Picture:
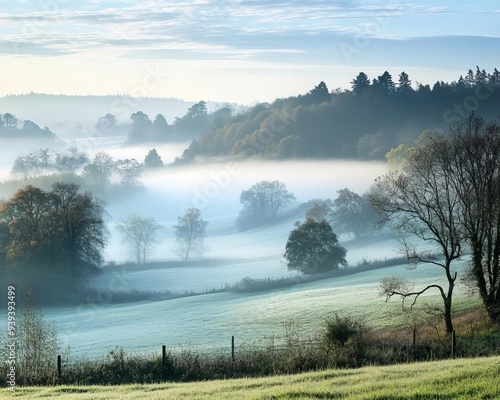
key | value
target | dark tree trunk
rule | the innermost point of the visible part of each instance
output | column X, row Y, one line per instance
column 447, row 315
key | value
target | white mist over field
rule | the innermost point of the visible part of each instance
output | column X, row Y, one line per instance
column 215, row 189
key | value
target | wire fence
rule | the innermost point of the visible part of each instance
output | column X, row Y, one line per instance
column 272, row 355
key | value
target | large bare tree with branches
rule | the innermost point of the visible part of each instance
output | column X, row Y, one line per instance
column 475, row 147
column 447, row 192
column 420, row 201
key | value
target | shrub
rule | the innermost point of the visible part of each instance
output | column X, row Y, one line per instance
column 344, row 339
column 37, row 346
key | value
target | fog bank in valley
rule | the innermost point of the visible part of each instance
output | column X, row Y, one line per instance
column 215, row 189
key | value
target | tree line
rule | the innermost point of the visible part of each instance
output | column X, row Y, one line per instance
column 364, row 122
column 11, row 128
column 142, row 129
column 100, row 173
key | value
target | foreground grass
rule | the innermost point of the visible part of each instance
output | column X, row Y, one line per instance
column 451, row 379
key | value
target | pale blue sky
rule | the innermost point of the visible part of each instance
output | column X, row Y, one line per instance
column 241, row 51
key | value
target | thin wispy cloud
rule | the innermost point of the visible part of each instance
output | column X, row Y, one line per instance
column 275, row 34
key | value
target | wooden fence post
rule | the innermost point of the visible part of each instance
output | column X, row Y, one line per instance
column 232, row 347
column 59, row 368
column 163, row 360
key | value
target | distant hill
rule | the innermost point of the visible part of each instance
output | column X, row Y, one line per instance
column 64, row 114
column 362, row 123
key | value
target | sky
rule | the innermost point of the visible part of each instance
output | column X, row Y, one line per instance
column 242, row 51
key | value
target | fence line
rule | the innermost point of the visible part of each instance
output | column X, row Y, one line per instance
column 246, row 349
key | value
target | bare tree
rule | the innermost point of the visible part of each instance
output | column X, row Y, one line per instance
column 130, row 171
column 71, row 160
column 100, row 169
column 33, row 164
column 420, row 201
column 452, row 189
column 139, row 235
column 190, row 233
column 475, row 147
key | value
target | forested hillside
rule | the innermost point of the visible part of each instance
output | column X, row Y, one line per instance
column 363, row 122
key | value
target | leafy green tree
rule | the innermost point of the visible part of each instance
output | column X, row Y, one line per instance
column 221, row 116
column 139, row 235
column 10, row 120
column 141, row 127
column 26, row 215
column 360, row 83
column 106, row 123
column 80, row 231
column 313, row 248
column 190, row 233
column 320, row 93
column 54, row 236
column 282, row 129
column 30, row 127
column 195, row 121
column 404, row 83
column 160, row 127
column 470, row 79
column 198, row 110
column 153, row 159
column 386, row 83
column 493, row 79
column 481, row 76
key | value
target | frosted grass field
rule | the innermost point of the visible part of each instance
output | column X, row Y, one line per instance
column 207, row 322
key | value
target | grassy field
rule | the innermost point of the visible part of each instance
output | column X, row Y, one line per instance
column 452, row 379
column 209, row 321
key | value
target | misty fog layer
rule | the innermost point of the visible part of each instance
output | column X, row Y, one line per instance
column 215, row 188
